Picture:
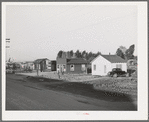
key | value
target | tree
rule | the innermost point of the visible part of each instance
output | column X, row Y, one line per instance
column 63, row 55
column 78, row 54
column 136, row 57
column 59, row 55
column 86, row 56
column 90, row 54
column 129, row 52
column 68, row 54
column 98, row 53
column 9, row 60
column 71, row 53
column 83, row 54
column 74, row 55
column 120, row 53
column 123, row 49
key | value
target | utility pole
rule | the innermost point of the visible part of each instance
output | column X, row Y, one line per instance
column 7, row 41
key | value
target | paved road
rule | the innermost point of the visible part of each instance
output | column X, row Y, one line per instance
column 26, row 95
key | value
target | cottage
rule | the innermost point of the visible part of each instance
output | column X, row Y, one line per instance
column 45, row 65
column 42, row 64
column 72, row 65
column 102, row 64
column 29, row 65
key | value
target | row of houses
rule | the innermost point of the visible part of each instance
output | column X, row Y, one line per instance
column 100, row 65
column 40, row 64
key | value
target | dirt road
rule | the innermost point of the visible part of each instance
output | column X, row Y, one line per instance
column 47, row 94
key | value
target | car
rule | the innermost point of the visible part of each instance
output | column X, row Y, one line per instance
column 116, row 72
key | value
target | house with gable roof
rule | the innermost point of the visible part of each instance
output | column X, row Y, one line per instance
column 45, row 64
column 102, row 64
column 75, row 65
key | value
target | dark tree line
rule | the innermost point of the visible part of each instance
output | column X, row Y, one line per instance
column 77, row 54
column 126, row 53
column 122, row 51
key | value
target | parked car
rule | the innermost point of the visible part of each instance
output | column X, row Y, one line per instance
column 116, row 72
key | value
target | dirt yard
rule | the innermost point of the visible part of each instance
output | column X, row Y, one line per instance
column 71, row 77
column 120, row 84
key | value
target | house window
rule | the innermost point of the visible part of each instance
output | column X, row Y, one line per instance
column 71, row 67
column 83, row 67
column 104, row 68
column 119, row 66
column 94, row 67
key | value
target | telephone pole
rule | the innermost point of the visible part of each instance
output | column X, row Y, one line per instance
column 7, row 47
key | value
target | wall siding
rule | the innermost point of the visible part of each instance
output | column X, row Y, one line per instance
column 60, row 62
column 77, row 69
column 100, row 63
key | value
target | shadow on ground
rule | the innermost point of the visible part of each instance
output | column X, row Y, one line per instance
column 78, row 88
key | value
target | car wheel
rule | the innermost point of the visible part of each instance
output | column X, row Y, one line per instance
column 115, row 75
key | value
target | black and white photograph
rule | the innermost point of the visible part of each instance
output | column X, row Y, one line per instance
column 74, row 60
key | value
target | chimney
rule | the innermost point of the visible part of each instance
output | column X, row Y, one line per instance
column 109, row 53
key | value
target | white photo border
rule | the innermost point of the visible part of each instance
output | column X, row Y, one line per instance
column 140, row 114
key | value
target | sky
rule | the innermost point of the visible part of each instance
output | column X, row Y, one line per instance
column 41, row 31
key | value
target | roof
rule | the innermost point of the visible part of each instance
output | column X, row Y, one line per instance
column 91, row 59
column 77, row 61
column 113, row 58
column 39, row 60
column 29, row 61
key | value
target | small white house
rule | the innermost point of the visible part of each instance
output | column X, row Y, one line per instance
column 102, row 64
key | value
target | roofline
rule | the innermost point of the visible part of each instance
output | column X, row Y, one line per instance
column 106, row 59
column 77, row 63
column 29, row 61
column 95, row 58
column 119, row 62
column 41, row 59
